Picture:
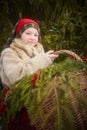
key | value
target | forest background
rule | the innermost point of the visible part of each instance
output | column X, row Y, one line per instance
column 63, row 23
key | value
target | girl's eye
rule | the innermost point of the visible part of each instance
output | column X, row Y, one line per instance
column 36, row 35
column 28, row 33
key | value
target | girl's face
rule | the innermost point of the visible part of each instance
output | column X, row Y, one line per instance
column 30, row 36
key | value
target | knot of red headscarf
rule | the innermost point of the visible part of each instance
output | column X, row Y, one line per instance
column 24, row 21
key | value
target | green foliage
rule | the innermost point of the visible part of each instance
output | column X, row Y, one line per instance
column 70, row 32
column 56, row 101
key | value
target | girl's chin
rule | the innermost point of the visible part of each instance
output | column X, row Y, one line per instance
column 32, row 44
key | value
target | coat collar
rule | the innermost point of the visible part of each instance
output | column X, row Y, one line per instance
column 31, row 51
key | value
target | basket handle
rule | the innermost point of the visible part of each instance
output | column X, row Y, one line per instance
column 69, row 53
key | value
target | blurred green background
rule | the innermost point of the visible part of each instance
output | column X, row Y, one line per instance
column 63, row 23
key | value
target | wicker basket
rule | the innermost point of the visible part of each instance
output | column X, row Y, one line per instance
column 64, row 106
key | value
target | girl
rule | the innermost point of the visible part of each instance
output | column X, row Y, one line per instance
column 24, row 54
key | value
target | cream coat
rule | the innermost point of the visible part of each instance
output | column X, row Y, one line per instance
column 21, row 59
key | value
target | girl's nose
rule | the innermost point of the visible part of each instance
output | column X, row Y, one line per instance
column 32, row 36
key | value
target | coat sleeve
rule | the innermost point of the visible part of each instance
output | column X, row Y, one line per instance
column 15, row 68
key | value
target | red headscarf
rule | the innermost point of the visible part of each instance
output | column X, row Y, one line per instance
column 24, row 21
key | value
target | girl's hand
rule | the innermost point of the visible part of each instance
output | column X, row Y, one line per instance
column 51, row 55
